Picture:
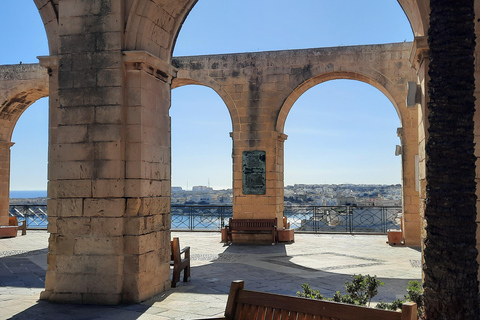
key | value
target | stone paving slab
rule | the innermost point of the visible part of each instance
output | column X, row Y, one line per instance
column 324, row 261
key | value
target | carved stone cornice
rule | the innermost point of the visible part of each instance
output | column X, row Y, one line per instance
column 49, row 62
column 400, row 133
column 281, row 137
column 6, row 144
column 144, row 61
column 420, row 51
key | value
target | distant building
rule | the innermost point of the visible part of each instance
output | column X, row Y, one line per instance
column 201, row 188
column 346, row 201
column 177, row 189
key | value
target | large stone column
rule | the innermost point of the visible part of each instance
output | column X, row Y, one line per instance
column 148, row 174
column 109, row 162
column 4, row 181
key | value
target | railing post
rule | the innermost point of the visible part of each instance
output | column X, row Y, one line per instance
column 384, row 218
column 190, row 218
column 350, row 220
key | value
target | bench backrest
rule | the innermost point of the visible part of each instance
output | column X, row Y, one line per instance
column 252, row 305
column 175, row 250
column 13, row 221
column 252, row 224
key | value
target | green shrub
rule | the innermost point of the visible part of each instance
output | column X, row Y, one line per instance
column 308, row 292
column 414, row 294
column 359, row 292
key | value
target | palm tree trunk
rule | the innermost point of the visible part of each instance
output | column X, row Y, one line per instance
column 450, row 269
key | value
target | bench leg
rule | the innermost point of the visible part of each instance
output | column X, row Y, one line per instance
column 186, row 273
column 24, row 227
column 175, row 276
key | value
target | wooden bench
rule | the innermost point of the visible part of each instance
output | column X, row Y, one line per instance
column 178, row 262
column 251, row 226
column 13, row 221
column 12, row 229
column 253, row 305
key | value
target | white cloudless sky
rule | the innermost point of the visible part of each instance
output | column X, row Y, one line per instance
column 339, row 131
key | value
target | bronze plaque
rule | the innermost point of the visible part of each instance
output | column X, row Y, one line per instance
column 254, row 175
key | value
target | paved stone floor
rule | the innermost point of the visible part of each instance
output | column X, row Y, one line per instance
column 324, row 261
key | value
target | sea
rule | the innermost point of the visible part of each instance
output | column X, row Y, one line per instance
column 28, row 194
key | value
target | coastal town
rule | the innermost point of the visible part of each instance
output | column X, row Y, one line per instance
column 302, row 194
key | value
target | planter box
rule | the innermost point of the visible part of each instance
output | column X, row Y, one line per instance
column 286, row 235
column 395, row 237
column 8, row 231
column 224, row 235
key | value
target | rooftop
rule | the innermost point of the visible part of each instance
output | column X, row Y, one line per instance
column 325, row 261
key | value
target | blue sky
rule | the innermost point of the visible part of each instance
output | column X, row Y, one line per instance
column 339, row 131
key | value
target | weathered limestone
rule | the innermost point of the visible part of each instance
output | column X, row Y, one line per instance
column 108, row 162
column 20, row 86
column 259, row 90
column 4, row 181
column 109, row 190
column 419, row 59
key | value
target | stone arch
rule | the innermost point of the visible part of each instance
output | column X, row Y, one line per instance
column 183, row 80
column 153, row 26
column 408, row 133
column 387, row 88
column 418, row 13
column 49, row 13
column 15, row 105
column 21, row 86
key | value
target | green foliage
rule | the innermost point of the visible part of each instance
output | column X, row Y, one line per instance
column 415, row 293
column 359, row 292
column 397, row 304
column 308, row 292
column 362, row 289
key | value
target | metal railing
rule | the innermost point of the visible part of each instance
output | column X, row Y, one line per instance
column 200, row 217
column 315, row 219
column 347, row 219
column 34, row 215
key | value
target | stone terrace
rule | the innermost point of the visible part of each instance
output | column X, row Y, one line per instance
column 324, row 261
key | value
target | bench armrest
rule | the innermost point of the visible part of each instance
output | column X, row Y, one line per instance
column 186, row 250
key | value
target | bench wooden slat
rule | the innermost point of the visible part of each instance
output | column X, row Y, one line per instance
column 325, row 308
column 261, row 313
column 276, row 315
column 269, row 314
column 245, row 312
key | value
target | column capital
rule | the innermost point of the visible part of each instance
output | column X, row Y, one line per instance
column 420, row 51
column 145, row 61
column 49, row 62
column 281, row 136
column 6, row 144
